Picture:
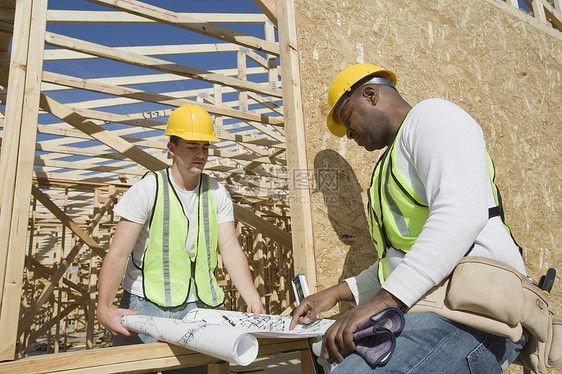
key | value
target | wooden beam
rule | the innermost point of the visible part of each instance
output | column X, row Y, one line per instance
column 267, row 229
column 94, row 16
column 134, row 358
column 145, row 96
column 100, row 153
column 84, row 237
column 189, row 23
column 34, row 335
column 90, row 166
column 47, row 272
column 297, row 162
column 554, row 14
column 151, row 50
column 104, row 16
column 154, row 63
column 269, row 8
column 106, row 137
column 16, row 161
column 131, row 80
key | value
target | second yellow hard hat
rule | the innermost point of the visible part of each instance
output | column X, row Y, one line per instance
column 343, row 82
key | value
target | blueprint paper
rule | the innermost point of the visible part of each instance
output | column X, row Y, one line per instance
column 230, row 336
column 266, row 326
column 229, row 344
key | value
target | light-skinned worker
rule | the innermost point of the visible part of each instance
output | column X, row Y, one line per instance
column 432, row 201
column 164, row 251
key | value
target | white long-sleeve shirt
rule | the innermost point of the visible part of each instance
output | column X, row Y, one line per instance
column 441, row 153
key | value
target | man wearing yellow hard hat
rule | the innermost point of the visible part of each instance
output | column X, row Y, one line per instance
column 164, row 251
column 432, row 202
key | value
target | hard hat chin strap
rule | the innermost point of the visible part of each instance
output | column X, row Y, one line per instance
column 346, row 96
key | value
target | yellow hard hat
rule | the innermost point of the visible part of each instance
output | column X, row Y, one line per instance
column 343, row 83
column 191, row 122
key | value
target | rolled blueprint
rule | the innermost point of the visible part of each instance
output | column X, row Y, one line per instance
column 228, row 343
column 228, row 335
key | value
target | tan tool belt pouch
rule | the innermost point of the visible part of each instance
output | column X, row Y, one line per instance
column 495, row 298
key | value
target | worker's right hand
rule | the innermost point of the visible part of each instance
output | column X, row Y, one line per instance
column 311, row 306
column 111, row 319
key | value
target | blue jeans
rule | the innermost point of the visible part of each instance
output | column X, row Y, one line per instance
column 145, row 307
column 432, row 344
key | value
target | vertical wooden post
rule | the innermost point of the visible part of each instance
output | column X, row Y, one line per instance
column 92, row 279
column 258, row 260
column 538, row 10
column 243, row 95
column 271, row 59
column 217, row 93
column 16, row 160
column 92, row 293
column 301, row 213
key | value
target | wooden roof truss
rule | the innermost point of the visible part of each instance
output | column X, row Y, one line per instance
column 82, row 118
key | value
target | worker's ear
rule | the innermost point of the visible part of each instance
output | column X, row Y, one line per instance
column 171, row 148
column 372, row 94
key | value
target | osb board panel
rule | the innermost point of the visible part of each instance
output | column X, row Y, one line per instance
column 501, row 70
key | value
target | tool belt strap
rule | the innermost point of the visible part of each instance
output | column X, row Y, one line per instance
column 495, row 298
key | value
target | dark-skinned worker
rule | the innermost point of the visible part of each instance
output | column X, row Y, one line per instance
column 432, row 201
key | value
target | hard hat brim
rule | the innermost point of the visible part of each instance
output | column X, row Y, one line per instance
column 195, row 137
column 334, row 125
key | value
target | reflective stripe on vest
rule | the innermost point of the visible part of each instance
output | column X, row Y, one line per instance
column 167, row 267
column 397, row 214
column 208, row 290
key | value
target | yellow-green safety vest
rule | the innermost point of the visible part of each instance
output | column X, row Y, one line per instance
column 167, row 268
column 397, row 214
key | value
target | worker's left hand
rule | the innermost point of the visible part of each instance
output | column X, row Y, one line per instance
column 338, row 339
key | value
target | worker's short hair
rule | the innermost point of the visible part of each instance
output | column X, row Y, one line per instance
column 174, row 139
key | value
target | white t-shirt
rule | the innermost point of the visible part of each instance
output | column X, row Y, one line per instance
column 136, row 205
column 441, row 153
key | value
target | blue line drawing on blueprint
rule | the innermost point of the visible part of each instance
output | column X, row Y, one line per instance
column 266, row 325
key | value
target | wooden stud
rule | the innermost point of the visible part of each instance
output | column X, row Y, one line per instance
column 301, row 211
column 242, row 96
column 16, row 162
column 538, row 10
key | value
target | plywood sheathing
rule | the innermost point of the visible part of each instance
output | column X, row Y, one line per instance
column 498, row 67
